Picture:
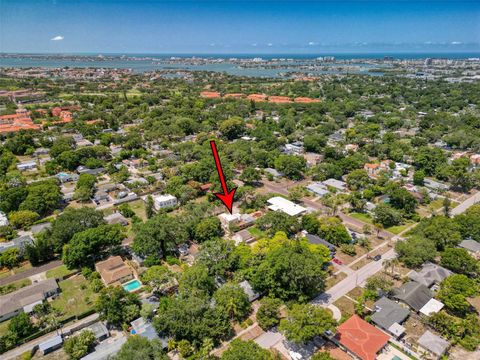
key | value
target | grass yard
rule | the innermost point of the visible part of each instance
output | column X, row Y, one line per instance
column 75, row 297
column 4, row 327
column 346, row 306
column 398, row 229
column 15, row 286
column 334, row 279
column 138, row 206
column 256, row 232
column 362, row 217
column 59, row 272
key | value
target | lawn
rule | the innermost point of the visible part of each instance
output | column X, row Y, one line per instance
column 256, row 232
column 138, row 206
column 75, row 298
column 362, row 217
column 59, row 272
column 398, row 229
column 334, row 279
column 4, row 327
column 16, row 285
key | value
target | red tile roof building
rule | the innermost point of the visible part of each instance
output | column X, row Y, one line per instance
column 257, row 97
column 360, row 338
column 15, row 122
column 56, row 111
column 279, row 99
column 210, row 94
column 306, row 100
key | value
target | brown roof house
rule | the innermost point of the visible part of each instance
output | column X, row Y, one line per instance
column 114, row 270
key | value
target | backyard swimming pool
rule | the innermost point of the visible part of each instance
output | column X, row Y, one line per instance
column 132, row 285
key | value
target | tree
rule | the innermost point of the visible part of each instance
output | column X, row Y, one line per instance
column 90, row 245
column 469, row 223
column 306, row 321
column 357, row 201
column 250, row 175
column 402, row 200
column 429, row 159
column 414, row 251
column 23, row 219
column 246, row 350
column 295, row 193
column 196, row 279
column 322, row 356
column 42, row 249
column 460, row 261
column 231, row 299
column 454, row 291
column 332, row 230
column 159, row 236
column 73, row 221
column 275, row 221
column 85, row 187
column 43, row 197
column 158, row 277
column 20, row 326
column 208, row 229
column 291, row 165
column 386, row 215
column 149, row 207
column 192, row 318
column 310, row 223
column 314, row 142
column 358, row 179
column 10, row 258
column 287, row 269
column 118, row 306
column 217, row 256
column 139, row 347
column 444, row 232
column 268, row 314
column 232, row 128
column 418, row 177
column 459, row 175
column 78, row 346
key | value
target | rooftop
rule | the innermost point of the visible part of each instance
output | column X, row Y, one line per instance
column 388, row 312
column 414, row 294
column 361, row 338
column 113, row 269
column 433, row 343
column 430, row 274
column 470, row 245
column 279, row 203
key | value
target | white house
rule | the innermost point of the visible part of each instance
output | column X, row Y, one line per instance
column 164, row 201
column 27, row 165
column 3, row 219
column 278, row 203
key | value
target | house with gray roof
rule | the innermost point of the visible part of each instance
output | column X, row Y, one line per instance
column 51, row 344
column 247, row 288
column 433, row 344
column 430, row 274
column 472, row 246
column 18, row 243
column 317, row 240
column 24, row 299
column 413, row 294
column 389, row 315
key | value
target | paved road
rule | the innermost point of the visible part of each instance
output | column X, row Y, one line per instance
column 472, row 200
column 16, row 352
column 30, row 272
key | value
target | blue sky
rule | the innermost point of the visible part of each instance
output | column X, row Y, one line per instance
column 139, row 26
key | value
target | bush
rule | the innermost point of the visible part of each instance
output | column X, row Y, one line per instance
column 268, row 315
column 348, row 249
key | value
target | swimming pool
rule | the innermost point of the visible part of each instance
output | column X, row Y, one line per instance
column 132, row 285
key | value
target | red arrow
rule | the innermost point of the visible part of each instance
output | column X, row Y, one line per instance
column 227, row 196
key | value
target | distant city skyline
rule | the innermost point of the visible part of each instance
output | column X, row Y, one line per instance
column 223, row 27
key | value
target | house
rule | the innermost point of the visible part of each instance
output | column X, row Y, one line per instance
column 433, row 345
column 24, row 299
column 239, row 220
column 116, row 218
column 85, row 170
column 106, row 349
column 472, row 246
column 65, row 177
column 295, row 148
column 336, row 184
column 144, row 328
column 164, row 201
column 317, row 188
column 114, row 270
column 312, row 159
column 278, row 203
column 99, row 330
column 413, row 294
column 371, row 169
column 435, row 185
column 3, row 219
column 247, row 288
column 389, row 316
column 360, row 339
column 18, row 243
column 51, row 344
column 274, row 173
column 433, row 306
column 27, row 165
column 430, row 274
column 243, row 236
column 41, row 151
column 317, row 240
column 37, row 228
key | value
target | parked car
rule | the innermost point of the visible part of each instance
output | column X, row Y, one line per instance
column 337, row 261
column 377, row 257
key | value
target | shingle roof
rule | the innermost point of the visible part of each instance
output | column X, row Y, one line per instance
column 361, row 338
column 113, row 269
column 25, row 296
column 470, row 245
column 388, row 313
column 414, row 294
column 430, row 274
column 433, row 343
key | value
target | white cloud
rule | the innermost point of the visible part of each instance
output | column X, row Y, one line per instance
column 269, row 44
column 311, row 43
column 456, row 42
column 57, row 38
column 254, row 44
